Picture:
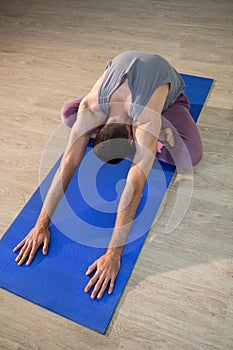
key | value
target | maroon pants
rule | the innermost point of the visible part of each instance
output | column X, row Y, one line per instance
column 187, row 151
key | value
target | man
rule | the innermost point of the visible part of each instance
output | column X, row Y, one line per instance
column 125, row 106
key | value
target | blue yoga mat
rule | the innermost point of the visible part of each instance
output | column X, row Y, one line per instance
column 80, row 230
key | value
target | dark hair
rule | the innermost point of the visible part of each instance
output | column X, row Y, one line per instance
column 111, row 143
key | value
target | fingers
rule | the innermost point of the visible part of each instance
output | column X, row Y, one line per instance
column 101, row 283
column 19, row 245
column 107, row 268
column 46, row 245
column 32, row 255
column 103, row 288
column 91, row 283
column 92, row 268
column 100, row 287
column 29, row 248
column 23, row 254
column 111, row 287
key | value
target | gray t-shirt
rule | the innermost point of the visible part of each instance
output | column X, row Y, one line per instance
column 145, row 73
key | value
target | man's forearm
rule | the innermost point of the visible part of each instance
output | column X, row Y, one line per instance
column 79, row 138
column 59, row 185
column 62, row 178
column 127, row 209
column 131, row 196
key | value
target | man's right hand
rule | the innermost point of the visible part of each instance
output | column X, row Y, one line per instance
column 31, row 243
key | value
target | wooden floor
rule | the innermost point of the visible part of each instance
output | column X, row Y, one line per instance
column 180, row 295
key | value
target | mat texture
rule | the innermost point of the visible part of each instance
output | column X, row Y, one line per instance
column 81, row 227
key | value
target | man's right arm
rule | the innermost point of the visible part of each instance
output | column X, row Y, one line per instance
column 79, row 138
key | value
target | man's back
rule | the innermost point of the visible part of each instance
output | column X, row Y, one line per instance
column 145, row 72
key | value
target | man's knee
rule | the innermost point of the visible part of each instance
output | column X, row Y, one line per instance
column 69, row 111
column 68, row 115
column 65, row 113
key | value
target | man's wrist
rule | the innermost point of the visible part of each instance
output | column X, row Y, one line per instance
column 43, row 221
column 117, row 251
column 42, row 225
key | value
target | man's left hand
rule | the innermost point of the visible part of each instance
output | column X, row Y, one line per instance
column 107, row 267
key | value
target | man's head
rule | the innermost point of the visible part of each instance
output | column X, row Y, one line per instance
column 112, row 143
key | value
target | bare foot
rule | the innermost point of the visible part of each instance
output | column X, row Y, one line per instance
column 183, row 177
column 167, row 135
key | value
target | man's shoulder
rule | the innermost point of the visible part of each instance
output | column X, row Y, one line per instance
column 90, row 110
column 90, row 100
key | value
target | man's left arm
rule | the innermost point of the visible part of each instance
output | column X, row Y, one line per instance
column 107, row 266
